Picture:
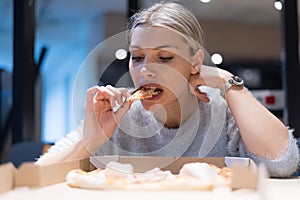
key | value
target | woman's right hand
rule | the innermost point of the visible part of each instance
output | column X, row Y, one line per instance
column 100, row 120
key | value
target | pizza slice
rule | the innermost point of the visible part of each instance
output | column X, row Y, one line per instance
column 207, row 173
column 144, row 92
column 114, row 176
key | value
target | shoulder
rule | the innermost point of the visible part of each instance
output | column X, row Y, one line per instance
column 217, row 105
column 220, row 114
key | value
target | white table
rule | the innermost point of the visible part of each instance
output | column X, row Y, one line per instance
column 270, row 189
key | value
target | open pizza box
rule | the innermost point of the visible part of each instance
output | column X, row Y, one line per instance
column 7, row 171
column 245, row 173
column 31, row 175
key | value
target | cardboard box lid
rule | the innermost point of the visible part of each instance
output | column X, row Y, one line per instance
column 7, row 171
column 245, row 171
column 173, row 164
column 32, row 175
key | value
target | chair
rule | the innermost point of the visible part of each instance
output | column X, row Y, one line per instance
column 25, row 151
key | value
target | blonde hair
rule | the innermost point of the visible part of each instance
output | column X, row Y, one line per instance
column 173, row 16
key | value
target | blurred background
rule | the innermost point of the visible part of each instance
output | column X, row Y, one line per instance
column 45, row 43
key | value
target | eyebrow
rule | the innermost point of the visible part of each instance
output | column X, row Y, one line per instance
column 155, row 48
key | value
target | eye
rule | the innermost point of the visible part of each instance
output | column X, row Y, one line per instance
column 137, row 58
column 165, row 58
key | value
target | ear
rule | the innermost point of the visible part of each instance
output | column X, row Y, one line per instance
column 197, row 61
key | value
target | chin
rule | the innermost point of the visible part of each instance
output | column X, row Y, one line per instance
column 155, row 108
column 147, row 106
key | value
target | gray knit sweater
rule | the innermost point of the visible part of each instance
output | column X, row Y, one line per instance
column 209, row 131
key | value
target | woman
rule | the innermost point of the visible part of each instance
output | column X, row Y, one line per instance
column 187, row 116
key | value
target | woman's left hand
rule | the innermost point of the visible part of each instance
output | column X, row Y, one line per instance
column 208, row 76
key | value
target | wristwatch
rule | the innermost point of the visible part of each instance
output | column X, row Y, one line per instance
column 233, row 81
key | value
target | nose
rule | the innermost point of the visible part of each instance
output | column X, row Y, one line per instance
column 147, row 69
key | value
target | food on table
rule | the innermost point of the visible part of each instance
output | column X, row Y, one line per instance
column 192, row 176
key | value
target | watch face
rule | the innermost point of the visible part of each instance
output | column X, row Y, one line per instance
column 236, row 80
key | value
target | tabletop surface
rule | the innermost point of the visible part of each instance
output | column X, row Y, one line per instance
column 269, row 189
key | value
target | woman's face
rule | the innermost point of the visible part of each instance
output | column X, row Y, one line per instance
column 160, row 58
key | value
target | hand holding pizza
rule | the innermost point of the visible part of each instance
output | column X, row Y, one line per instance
column 100, row 119
column 213, row 77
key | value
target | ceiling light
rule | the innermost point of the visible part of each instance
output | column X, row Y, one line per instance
column 216, row 58
column 278, row 5
column 121, row 54
column 205, row 1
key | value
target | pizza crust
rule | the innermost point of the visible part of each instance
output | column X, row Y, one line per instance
column 88, row 180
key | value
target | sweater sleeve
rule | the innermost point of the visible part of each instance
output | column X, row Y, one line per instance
column 63, row 144
column 283, row 166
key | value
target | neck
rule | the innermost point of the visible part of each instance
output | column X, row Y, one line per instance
column 178, row 112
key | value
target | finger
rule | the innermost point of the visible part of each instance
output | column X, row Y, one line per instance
column 94, row 104
column 196, row 80
column 98, row 92
column 100, row 96
column 90, row 93
column 117, row 94
column 202, row 96
column 110, row 93
column 125, row 92
column 122, row 111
